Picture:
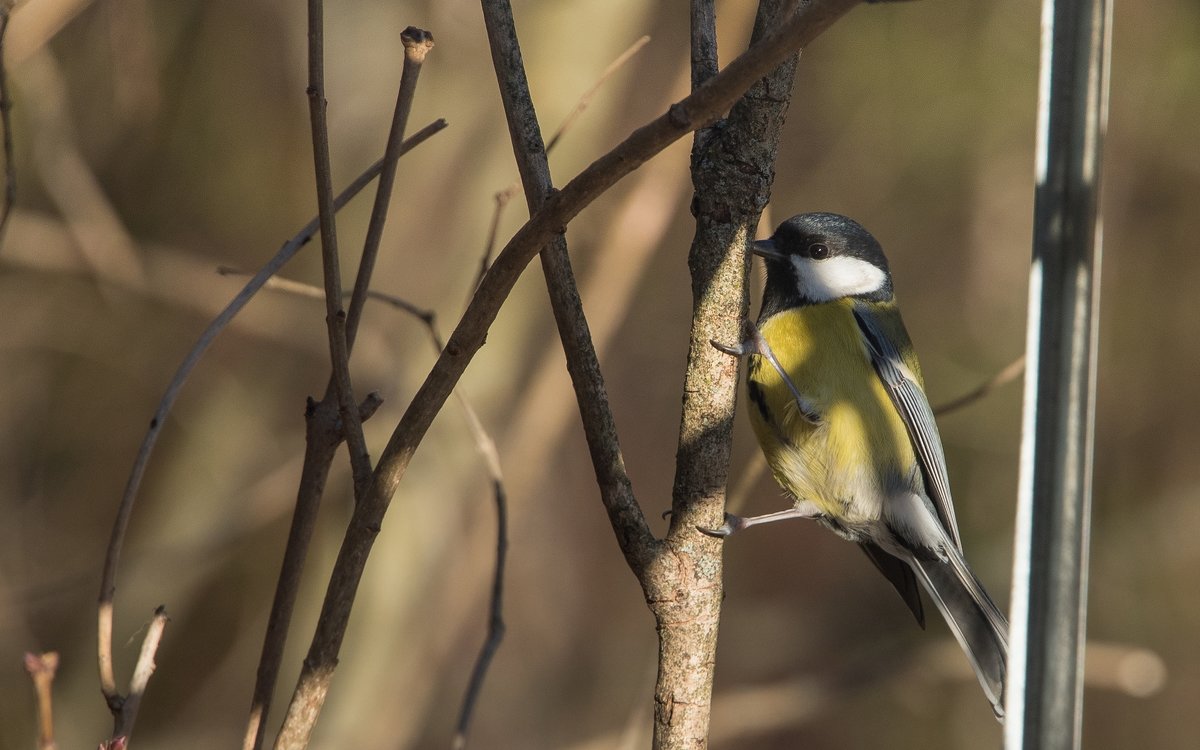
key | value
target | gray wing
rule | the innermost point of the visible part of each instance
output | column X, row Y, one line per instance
column 909, row 398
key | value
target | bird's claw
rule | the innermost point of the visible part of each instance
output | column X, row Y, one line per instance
column 750, row 343
column 733, row 350
column 732, row 523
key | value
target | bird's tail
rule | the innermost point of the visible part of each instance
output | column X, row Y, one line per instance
column 974, row 618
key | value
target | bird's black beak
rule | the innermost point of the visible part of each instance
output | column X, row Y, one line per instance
column 766, row 249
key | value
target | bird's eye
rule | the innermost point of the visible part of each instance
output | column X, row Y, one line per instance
column 818, row 250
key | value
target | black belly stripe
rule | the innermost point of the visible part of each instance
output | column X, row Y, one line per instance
column 759, row 399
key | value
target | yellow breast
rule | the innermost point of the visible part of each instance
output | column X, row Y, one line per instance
column 860, row 449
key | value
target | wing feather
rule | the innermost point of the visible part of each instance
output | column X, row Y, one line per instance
column 904, row 387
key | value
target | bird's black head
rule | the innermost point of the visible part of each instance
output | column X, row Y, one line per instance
column 821, row 257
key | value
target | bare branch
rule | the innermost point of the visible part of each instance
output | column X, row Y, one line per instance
column 486, row 447
column 504, row 196
column 302, row 289
column 124, row 708
column 495, row 630
column 10, row 169
column 323, row 434
column 588, row 95
column 582, row 362
column 322, row 438
column 142, row 671
column 171, row 394
column 696, row 110
column 732, row 170
column 417, row 44
column 1007, row 374
column 335, row 314
column 616, row 491
column 116, row 542
column 703, row 19
column 42, row 668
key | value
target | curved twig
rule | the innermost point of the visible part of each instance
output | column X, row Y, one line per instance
column 1007, row 374
column 588, row 95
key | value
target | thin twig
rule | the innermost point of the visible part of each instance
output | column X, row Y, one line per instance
column 335, row 314
column 504, row 196
column 322, row 438
column 495, row 629
column 486, row 447
column 417, row 44
column 171, row 394
column 10, row 169
column 323, row 432
column 704, row 105
column 599, row 426
column 1009, row 373
column 142, row 671
column 311, row 291
column 587, row 96
column 42, row 668
column 616, row 490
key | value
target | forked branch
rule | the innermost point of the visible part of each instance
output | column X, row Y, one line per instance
column 704, row 105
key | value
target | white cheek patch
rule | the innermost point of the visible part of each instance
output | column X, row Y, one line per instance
column 837, row 277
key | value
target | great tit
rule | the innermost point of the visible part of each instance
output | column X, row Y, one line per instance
column 838, row 405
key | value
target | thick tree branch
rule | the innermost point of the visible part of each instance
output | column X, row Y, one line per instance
column 732, row 170
column 700, row 108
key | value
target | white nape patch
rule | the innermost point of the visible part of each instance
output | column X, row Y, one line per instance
column 837, row 277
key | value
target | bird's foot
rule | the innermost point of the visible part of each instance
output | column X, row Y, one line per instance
column 732, row 523
column 751, row 342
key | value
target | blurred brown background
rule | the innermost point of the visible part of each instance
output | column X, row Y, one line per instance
column 158, row 140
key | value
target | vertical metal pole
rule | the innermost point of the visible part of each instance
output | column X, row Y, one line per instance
column 1045, row 689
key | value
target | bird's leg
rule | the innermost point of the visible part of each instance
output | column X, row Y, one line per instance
column 753, row 343
column 802, row 509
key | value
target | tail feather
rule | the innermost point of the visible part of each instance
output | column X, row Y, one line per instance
column 975, row 620
column 900, row 575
